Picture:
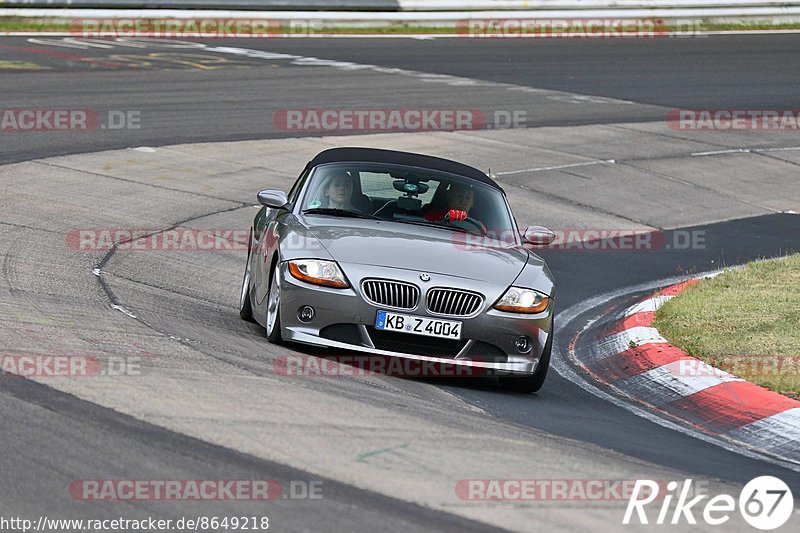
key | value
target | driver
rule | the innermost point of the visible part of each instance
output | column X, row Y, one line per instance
column 460, row 199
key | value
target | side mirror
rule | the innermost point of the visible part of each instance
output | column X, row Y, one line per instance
column 273, row 199
column 538, row 236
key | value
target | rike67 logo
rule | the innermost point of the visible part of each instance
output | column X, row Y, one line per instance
column 765, row 503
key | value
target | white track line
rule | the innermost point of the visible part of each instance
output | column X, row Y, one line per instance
column 650, row 305
column 557, row 167
column 629, row 338
column 779, row 430
column 665, row 384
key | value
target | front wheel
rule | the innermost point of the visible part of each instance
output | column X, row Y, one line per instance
column 274, row 308
column 531, row 382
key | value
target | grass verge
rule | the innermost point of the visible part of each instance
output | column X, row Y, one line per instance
column 745, row 321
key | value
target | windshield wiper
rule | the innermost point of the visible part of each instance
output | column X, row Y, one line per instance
column 338, row 213
column 433, row 225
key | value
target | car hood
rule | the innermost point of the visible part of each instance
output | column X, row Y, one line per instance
column 414, row 247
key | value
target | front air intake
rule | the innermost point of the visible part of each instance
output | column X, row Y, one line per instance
column 394, row 294
column 453, row 302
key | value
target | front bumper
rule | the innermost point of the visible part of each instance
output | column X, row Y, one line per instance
column 344, row 320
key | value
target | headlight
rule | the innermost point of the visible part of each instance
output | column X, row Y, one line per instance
column 318, row 272
column 519, row 300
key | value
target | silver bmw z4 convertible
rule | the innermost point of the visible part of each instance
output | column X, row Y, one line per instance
column 402, row 255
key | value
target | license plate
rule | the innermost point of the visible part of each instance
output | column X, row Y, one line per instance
column 418, row 325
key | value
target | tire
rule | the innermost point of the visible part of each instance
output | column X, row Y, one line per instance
column 245, row 306
column 274, row 308
column 531, row 382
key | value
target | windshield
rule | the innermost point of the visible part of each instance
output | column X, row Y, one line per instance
column 408, row 195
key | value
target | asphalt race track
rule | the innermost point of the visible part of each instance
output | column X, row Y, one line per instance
column 594, row 152
column 236, row 101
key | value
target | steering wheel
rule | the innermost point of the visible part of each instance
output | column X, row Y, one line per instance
column 477, row 223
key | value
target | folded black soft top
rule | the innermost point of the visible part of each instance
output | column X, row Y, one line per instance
column 375, row 155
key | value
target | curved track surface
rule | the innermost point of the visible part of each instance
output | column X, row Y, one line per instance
column 188, row 94
column 208, row 402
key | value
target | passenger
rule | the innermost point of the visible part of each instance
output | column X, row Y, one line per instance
column 339, row 192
